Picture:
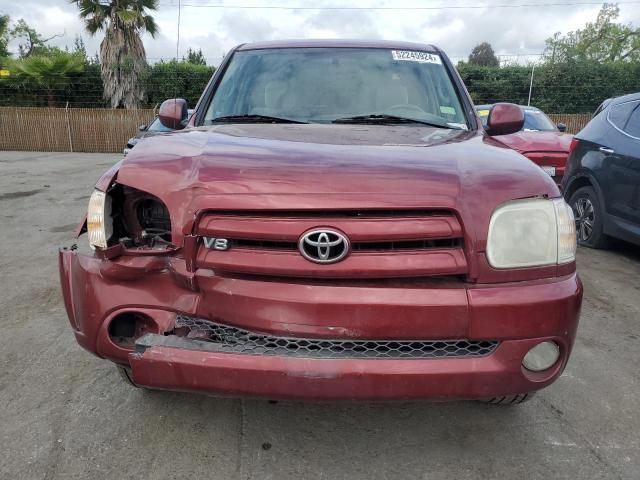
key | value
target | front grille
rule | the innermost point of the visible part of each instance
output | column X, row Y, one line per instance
column 224, row 338
column 409, row 243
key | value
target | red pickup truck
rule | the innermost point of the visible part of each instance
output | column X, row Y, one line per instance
column 332, row 222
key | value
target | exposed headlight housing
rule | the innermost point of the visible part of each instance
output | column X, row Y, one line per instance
column 531, row 232
column 99, row 221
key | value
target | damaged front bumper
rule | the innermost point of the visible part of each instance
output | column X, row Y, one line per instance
column 160, row 289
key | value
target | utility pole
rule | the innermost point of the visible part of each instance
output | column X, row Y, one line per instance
column 533, row 67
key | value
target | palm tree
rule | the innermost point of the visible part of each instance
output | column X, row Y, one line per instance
column 122, row 54
column 4, row 36
column 50, row 73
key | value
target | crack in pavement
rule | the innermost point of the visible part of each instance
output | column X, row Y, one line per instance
column 592, row 449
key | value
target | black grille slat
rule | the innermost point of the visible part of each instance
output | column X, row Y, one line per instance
column 355, row 246
column 263, row 244
column 406, row 245
column 230, row 339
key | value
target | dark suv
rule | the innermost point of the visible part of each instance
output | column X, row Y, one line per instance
column 602, row 180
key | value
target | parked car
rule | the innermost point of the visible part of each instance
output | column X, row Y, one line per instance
column 540, row 140
column 155, row 127
column 333, row 223
column 602, row 182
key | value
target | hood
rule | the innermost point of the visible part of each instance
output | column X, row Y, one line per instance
column 299, row 159
column 525, row 141
column 310, row 166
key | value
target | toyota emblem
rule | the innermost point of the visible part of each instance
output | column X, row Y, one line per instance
column 323, row 246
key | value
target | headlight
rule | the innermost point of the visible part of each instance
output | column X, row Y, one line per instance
column 532, row 232
column 99, row 221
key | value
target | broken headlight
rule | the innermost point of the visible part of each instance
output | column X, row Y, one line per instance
column 128, row 216
column 99, row 220
column 153, row 218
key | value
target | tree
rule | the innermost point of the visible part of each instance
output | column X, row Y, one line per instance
column 49, row 73
column 4, row 36
column 122, row 54
column 196, row 58
column 483, row 54
column 599, row 41
column 32, row 42
column 79, row 47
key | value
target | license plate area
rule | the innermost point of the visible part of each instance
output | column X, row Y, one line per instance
column 551, row 171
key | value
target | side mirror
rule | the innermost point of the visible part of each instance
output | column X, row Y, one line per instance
column 174, row 113
column 562, row 127
column 505, row 118
column 142, row 127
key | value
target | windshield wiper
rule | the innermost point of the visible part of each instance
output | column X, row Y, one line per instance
column 380, row 118
column 253, row 119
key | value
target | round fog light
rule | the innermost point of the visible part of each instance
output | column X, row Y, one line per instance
column 542, row 356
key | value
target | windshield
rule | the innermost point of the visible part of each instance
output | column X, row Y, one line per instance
column 326, row 84
column 536, row 120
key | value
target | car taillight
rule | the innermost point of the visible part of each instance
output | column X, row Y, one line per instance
column 574, row 144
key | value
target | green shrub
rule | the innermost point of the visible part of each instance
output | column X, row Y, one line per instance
column 572, row 87
column 162, row 80
column 176, row 79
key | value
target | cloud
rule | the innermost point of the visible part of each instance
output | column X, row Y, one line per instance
column 511, row 31
column 343, row 24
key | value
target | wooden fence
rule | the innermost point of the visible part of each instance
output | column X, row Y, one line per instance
column 574, row 121
column 69, row 130
column 105, row 130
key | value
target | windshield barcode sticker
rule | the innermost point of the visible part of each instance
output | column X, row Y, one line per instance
column 411, row 56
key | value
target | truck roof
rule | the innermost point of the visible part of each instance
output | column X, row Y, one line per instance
column 333, row 43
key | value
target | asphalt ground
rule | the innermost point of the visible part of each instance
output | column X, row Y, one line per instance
column 65, row 414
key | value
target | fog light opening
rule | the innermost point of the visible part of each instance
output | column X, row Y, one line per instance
column 126, row 328
column 541, row 357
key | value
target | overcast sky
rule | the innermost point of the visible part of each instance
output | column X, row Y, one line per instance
column 511, row 31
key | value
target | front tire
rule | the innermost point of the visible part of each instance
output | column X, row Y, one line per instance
column 589, row 216
column 507, row 400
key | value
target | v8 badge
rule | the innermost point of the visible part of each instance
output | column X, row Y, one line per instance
column 216, row 243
